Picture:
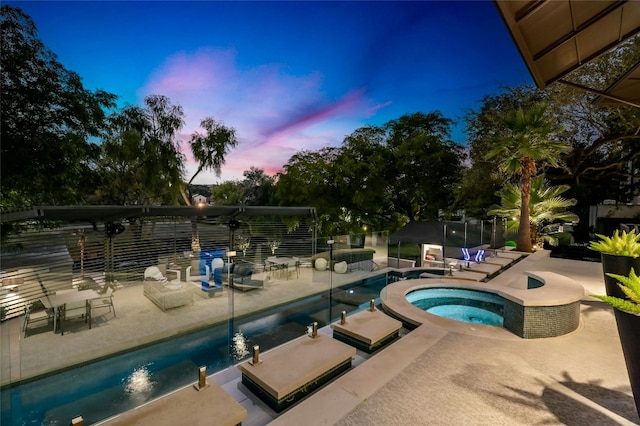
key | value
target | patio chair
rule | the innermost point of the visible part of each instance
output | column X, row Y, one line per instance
column 35, row 312
column 72, row 310
column 292, row 267
column 106, row 301
column 217, row 266
column 197, row 272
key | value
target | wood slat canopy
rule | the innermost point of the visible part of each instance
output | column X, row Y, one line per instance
column 557, row 37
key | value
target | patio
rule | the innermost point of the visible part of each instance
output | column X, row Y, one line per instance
column 432, row 375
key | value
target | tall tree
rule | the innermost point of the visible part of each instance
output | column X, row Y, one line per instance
column 605, row 138
column 605, row 155
column 483, row 177
column 209, row 149
column 141, row 160
column 258, row 188
column 381, row 176
column 309, row 179
column 524, row 143
column 227, row 193
column 47, row 119
column 425, row 164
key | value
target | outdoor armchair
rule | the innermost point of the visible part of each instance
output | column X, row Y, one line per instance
column 35, row 312
column 197, row 272
column 106, row 301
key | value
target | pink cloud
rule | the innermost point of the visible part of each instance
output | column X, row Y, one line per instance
column 275, row 114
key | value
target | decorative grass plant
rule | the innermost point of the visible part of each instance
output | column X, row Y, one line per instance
column 619, row 244
column 631, row 288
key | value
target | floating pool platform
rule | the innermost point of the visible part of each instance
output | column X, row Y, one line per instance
column 188, row 406
column 285, row 375
column 367, row 330
column 500, row 261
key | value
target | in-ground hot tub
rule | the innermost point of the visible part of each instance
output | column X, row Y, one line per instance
column 543, row 304
column 471, row 306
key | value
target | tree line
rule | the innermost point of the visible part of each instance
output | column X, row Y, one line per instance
column 63, row 144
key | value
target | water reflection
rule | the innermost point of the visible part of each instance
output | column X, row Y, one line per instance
column 240, row 348
column 139, row 384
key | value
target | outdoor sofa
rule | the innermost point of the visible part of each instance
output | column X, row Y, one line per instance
column 240, row 274
column 166, row 294
column 351, row 256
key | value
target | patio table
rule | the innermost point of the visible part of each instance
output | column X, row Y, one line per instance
column 58, row 301
column 280, row 263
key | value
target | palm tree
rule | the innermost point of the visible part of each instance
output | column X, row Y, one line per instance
column 522, row 145
column 545, row 205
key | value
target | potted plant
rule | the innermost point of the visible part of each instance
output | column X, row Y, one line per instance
column 273, row 245
column 627, row 312
column 619, row 253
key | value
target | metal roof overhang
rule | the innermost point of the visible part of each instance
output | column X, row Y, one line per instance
column 557, row 37
column 112, row 213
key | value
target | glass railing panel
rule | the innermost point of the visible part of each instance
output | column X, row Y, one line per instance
column 162, row 348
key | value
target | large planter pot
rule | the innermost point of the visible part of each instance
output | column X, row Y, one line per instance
column 629, row 331
column 628, row 324
column 620, row 265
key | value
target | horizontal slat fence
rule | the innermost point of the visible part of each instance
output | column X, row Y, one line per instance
column 81, row 255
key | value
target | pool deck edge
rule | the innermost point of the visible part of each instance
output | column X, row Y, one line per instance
column 348, row 391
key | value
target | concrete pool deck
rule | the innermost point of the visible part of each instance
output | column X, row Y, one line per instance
column 432, row 375
column 437, row 376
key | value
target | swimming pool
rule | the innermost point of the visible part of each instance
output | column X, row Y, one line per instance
column 105, row 388
column 471, row 306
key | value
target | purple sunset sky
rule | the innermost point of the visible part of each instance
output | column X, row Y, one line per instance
column 287, row 76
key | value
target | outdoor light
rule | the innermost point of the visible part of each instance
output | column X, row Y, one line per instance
column 343, row 317
column 255, row 360
column 330, row 242
column 234, row 225
column 230, row 255
column 113, row 228
column 202, row 379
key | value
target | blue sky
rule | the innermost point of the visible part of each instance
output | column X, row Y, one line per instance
column 287, row 76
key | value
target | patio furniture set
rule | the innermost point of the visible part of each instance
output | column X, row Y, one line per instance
column 65, row 305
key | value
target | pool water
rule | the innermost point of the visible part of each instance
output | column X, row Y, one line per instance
column 105, row 388
column 470, row 306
